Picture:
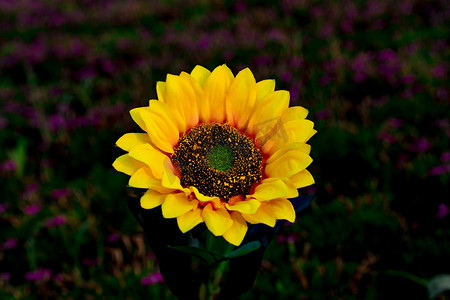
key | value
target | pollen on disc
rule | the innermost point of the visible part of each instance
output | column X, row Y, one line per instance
column 218, row 160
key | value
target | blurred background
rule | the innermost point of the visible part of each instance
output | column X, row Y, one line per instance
column 374, row 75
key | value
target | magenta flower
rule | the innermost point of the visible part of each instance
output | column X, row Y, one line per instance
column 55, row 221
column 32, row 209
column 152, row 279
column 395, row 122
column 420, row 145
column 445, row 157
column 10, row 243
column 443, row 211
column 439, row 71
column 90, row 262
column 38, row 275
column 8, row 165
column 323, row 114
column 60, row 193
column 5, row 276
column 440, row 170
column 3, row 207
column 113, row 237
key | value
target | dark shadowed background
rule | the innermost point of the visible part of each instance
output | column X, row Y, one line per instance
column 373, row 74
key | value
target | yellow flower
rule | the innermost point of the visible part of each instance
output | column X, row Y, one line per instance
column 219, row 149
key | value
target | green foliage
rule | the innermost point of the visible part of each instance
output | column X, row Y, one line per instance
column 373, row 74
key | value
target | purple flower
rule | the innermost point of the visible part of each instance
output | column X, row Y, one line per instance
column 57, row 122
column 113, row 237
column 108, row 66
column 32, row 209
column 289, row 238
column 408, row 79
column 204, row 42
column 286, row 76
column 38, row 275
column 420, row 145
column 8, row 165
column 86, row 73
column 395, row 123
column 442, row 93
column 439, row 71
column 3, row 122
column 152, row 278
column 262, row 60
column 443, row 211
column 325, row 80
column 360, row 65
column 60, row 193
column 3, row 207
column 387, row 55
column 323, row 114
column 439, row 170
column 386, row 137
column 347, row 26
column 58, row 277
column 55, row 221
column 407, row 94
column 10, row 243
column 445, row 157
column 5, row 276
column 90, row 262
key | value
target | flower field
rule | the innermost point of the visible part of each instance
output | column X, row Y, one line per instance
column 373, row 74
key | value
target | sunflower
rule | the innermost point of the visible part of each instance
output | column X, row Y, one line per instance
column 219, row 149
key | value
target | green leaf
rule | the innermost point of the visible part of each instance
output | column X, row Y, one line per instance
column 19, row 156
column 438, row 285
column 243, row 250
column 207, row 257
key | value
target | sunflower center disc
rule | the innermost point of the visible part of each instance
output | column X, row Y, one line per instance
column 218, row 161
column 221, row 158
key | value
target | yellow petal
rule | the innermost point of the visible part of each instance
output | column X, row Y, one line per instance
column 283, row 209
column 263, row 215
column 126, row 164
column 152, row 199
column 200, row 74
column 161, row 90
column 130, row 140
column 204, row 200
column 176, row 205
column 136, row 116
column 286, row 132
column 201, row 105
column 218, row 221
column 268, row 111
column 215, row 90
column 182, row 100
column 313, row 132
column 151, row 157
column 302, row 179
column 292, row 189
column 170, row 180
column 270, row 189
column 294, row 113
column 249, row 206
column 189, row 220
column 162, row 131
column 288, row 163
column 144, row 179
column 241, row 98
column 236, row 233
column 298, row 146
column 264, row 87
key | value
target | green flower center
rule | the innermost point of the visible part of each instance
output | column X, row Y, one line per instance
column 218, row 160
column 221, row 158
